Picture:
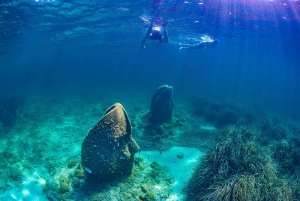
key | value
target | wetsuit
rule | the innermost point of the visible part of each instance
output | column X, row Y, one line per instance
column 156, row 35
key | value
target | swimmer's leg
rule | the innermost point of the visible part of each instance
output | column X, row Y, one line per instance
column 147, row 36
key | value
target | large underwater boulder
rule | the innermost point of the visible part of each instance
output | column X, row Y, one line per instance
column 108, row 149
column 161, row 105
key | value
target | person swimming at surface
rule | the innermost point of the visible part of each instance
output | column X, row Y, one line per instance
column 156, row 31
column 201, row 45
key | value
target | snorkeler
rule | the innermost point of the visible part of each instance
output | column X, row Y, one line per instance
column 201, row 45
column 156, row 31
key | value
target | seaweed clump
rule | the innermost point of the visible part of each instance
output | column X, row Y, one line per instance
column 272, row 131
column 236, row 168
column 287, row 156
column 221, row 114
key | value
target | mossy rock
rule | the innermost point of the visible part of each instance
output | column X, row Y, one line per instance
column 147, row 189
column 49, row 187
column 144, row 188
column 75, row 182
column 16, row 172
column 180, row 122
column 155, row 165
column 158, row 172
column 150, row 197
column 138, row 161
column 72, row 162
column 64, row 184
column 79, row 172
column 98, row 197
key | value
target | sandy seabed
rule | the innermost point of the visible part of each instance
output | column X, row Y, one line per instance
column 40, row 154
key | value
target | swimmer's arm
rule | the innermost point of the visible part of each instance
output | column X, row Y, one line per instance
column 200, row 45
column 184, row 45
column 188, row 46
column 143, row 42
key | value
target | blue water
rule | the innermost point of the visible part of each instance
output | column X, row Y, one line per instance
column 90, row 50
column 51, row 46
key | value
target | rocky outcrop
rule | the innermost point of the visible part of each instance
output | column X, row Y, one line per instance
column 161, row 105
column 108, row 149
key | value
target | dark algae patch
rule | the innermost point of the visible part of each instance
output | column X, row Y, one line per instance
column 237, row 168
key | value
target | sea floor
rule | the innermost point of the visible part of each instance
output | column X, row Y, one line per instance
column 40, row 153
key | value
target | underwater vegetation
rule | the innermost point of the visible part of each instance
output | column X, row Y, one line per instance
column 161, row 137
column 11, row 168
column 257, row 162
column 222, row 114
column 287, row 156
column 237, row 168
column 272, row 130
column 8, row 111
column 151, row 182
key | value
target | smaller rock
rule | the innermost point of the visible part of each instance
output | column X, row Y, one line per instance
column 64, row 184
column 75, row 183
column 180, row 155
column 144, row 188
column 79, row 172
column 72, row 162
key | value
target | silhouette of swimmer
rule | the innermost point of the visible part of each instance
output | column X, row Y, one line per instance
column 200, row 45
column 156, row 31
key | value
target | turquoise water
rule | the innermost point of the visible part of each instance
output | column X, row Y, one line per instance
column 63, row 63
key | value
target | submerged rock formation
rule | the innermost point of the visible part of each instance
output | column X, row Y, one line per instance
column 161, row 105
column 108, row 149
